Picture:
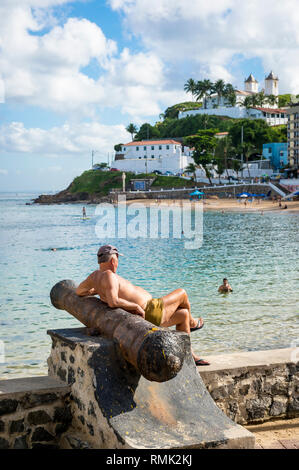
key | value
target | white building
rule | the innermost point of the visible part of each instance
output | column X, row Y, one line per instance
column 220, row 106
column 150, row 155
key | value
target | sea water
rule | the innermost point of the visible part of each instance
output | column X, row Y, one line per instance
column 258, row 254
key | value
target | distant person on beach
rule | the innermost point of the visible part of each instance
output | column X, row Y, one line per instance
column 170, row 310
column 225, row 287
column 84, row 212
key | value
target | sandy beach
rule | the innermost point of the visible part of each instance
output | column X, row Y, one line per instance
column 228, row 205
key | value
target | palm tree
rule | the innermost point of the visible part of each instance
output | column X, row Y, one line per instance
column 247, row 148
column 220, row 89
column 248, row 102
column 236, row 166
column 190, row 87
column 132, row 129
column 204, row 88
column 260, row 98
column 191, row 168
column 271, row 100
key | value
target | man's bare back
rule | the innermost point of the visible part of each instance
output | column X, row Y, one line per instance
column 106, row 283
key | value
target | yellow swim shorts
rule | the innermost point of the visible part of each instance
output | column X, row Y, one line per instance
column 154, row 311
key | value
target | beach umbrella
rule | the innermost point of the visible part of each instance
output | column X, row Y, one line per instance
column 196, row 193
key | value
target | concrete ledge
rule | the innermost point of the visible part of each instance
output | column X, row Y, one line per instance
column 251, row 359
column 40, row 384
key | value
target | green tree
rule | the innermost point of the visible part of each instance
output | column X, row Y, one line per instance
column 260, row 98
column 190, row 87
column 255, row 131
column 191, row 168
column 117, row 147
column 132, row 129
column 236, row 166
column 219, row 88
column 147, row 131
column 204, row 88
column 204, row 144
column 248, row 149
column 271, row 100
column 224, row 152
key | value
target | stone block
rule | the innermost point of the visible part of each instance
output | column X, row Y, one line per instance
column 38, row 417
column 16, row 426
column 63, row 414
column 41, row 434
column 4, row 444
column 8, row 406
column 278, row 407
column 21, row 443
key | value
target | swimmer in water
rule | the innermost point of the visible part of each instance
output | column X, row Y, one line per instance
column 84, row 212
column 225, row 287
column 53, row 249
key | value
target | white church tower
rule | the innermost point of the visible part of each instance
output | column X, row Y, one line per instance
column 251, row 84
column 271, row 85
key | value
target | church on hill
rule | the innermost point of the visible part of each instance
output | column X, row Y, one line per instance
column 220, row 105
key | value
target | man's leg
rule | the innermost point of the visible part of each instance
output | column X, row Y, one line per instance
column 176, row 300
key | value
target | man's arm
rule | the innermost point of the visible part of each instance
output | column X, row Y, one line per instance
column 114, row 301
column 86, row 287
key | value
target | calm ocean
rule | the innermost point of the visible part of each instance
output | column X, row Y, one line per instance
column 259, row 255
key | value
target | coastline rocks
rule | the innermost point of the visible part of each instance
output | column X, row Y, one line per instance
column 67, row 197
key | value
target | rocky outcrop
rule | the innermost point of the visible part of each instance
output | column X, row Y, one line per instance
column 66, row 196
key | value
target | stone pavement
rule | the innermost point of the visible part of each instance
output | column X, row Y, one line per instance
column 280, row 434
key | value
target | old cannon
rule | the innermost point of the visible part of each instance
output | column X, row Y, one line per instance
column 157, row 353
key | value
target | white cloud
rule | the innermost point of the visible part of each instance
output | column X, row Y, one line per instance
column 48, row 69
column 210, row 34
column 3, row 172
column 67, row 140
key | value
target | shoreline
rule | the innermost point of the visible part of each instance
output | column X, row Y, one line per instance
column 226, row 205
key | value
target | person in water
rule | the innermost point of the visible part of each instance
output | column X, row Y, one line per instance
column 170, row 310
column 225, row 287
column 84, row 212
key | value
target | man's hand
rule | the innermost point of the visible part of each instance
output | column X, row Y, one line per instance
column 138, row 311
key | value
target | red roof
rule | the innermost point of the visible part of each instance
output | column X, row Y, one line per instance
column 271, row 110
column 152, row 142
column 221, row 133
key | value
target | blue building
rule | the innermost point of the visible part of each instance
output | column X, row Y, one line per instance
column 277, row 153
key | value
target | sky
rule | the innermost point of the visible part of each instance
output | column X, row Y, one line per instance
column 74, row 74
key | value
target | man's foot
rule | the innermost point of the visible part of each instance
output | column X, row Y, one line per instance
column 198, row 326
column 201, row 362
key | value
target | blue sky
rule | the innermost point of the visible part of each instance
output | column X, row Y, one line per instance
column 74, row 74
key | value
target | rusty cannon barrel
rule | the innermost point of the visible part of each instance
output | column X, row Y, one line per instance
column 157, row 353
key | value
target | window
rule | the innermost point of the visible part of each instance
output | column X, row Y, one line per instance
column 160, row 147
column 139, row 157
column 153, row 148
column 144, row 156
column 144, row 148
column 137, row 148
column 124, row 149
column 167, row 147
column 153, row 156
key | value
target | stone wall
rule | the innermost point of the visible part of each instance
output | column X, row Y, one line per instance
column 34, row 412
column 253, row 387
column 221, row 192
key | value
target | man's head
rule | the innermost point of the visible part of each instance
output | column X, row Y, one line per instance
column 225, row 281
column 108, row 257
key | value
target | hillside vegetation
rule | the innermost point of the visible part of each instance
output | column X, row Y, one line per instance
column 101, row 182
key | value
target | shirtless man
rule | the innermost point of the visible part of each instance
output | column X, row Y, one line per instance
column 225, row 287
column 117, row 292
